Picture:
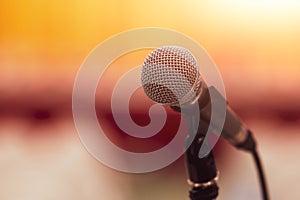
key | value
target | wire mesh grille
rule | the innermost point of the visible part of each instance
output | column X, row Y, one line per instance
column 170, row 74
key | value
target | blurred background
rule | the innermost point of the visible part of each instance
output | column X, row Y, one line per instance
column 255, row 44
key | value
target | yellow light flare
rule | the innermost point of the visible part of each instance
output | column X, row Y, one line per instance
column 56, row 35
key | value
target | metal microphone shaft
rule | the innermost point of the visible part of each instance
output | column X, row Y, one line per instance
column 233, row 130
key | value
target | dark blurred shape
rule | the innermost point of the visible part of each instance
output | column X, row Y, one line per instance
column 141, row 145
column 42, row 114
column 289, row 115
column 38, row 108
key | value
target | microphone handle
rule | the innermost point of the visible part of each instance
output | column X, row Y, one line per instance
column 234, row 130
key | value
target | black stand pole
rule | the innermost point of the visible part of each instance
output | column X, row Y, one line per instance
column 202, row 173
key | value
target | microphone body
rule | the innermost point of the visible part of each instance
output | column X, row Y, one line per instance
column 234, row 130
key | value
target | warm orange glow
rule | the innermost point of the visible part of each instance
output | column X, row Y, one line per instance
column 255, row 44
column 266, row 30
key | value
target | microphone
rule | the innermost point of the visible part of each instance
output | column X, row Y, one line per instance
column 170, row 76
column 162, row 84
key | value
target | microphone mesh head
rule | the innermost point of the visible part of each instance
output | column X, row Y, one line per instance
column 170, row 74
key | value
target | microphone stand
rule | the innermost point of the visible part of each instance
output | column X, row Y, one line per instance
column 202, row 172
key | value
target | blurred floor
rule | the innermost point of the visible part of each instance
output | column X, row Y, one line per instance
column 49, row 162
